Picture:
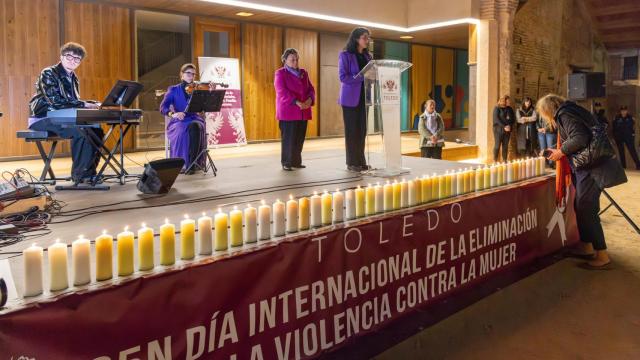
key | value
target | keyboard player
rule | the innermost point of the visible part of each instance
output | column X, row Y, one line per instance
column 57, row 87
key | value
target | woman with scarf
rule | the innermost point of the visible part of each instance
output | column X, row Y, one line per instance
column 526, row 133
column 574, row 125
column 431, row 129
column 295, row 96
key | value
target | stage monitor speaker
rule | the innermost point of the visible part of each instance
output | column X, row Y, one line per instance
column 584, row 86
column 159, row 175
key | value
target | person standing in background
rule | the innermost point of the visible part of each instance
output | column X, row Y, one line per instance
column 526, row 118
column 431, row 129
column 624, row 132
column 503, row 120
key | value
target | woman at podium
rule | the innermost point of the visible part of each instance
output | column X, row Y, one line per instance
column 186, row 131
column 354, row 58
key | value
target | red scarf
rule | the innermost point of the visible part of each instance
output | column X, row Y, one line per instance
column 563, row 175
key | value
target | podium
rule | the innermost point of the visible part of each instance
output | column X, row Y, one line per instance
column 382, row 92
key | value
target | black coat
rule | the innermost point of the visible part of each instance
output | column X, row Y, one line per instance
column 55, row 90
column 574, row 126
column 503, row 116
column 624, row 127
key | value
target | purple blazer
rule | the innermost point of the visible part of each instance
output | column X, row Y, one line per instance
column 349, row 87
column 289, row 89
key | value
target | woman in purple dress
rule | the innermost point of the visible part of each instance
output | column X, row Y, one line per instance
column 186, row 131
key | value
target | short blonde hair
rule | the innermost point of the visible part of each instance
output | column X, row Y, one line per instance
column 547, row 107
column 426, row 105
column 502, row 101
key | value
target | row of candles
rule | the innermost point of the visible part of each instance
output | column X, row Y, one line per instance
column 253, row 224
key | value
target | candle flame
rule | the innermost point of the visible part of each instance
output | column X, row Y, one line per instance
column 57, row 241
column 262, row 201
column 315, row 193
column 166, row 221
column 290, row 197
column 368, row 185
column 80, row 236
column 235, row 207
column 219, row 211
column 204, row 214
column 395, row 181
column 33, row 244
column 277, row 200
column 337, row 189
column 186, row 216
column 143, row 225
column 126, row 228
column 104, row 232
column 387, row 182
column 378, row 183
column 248, row 205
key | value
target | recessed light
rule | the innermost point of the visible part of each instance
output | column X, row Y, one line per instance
column 406, row 37
column 244, row 13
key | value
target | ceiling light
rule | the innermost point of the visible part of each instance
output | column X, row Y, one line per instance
column 244, row 13
column 406, row 37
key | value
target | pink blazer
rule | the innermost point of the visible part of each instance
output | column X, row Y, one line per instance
column 289, row 89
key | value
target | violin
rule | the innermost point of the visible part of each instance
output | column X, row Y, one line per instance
column 197, row 85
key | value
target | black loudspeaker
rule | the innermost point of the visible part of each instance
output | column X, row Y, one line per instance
column 159, row 175
column 584, row 86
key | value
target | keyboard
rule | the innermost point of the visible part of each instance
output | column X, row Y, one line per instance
column 93, row 116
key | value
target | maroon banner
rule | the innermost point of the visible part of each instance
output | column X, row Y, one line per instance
column 302, row 296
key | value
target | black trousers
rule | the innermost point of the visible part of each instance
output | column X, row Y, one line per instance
column 501, row 139
column 84, row 155
column 432, row 152
column 587, row 206
column 293, row 134
column 355, row 133
column 195, row 134
column 621, row 142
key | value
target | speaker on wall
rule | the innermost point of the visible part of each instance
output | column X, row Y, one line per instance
column 586, row 85
column 159, row 175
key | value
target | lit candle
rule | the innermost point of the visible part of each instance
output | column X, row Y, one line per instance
column 278, row 218
column 303, row 213
column 58, row 276
column 486, row 179
column 32, row 270
column 397, row 195
column 541, row 166
column 205, row 234
column 530, row 169
column 338, row 206
column 442, row 185
column 81, row 261
column 125, row 252
column 326, row 208
column 494, row 176
column 316, row 210
column 292, row 215
column 388, row 197
column 221, row 224
column 370, row 194
column 435, row 187
column 523, row 170
column 104, row 256
column 264, row 221
column 404, row 193
column 414, row 188
column 425, row 186
column 459, row 187
column 187, row 238
column 250, row 224
column 499, row 175
column 167, row 243
column 479, row 177
column 379, row 198
column 511, row 166
column 145, row 248
column 350, row 204
column 235, row 225
column 469, row 185
column 360, row 204
column 450, row 179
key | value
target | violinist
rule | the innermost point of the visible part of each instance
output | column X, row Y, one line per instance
column 186, row 131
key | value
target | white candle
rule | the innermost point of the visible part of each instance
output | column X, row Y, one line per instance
column 221, row 224
column 479, row 179
column 338, row 206
column 494, row 176
column 316, row 210
column 523, row 170
column 32, row 257
column 388, row 197
column 350, row 201
column 404, row 193
column 250, row 224
column 292, row 215
column 81, row 261
column 205, row 234
column 278, row 218
column 264, row 222
column 326, row 208
column 510, row 172
column 58, row 276
column 459, row 181
column 530, row 169
column 379, row 198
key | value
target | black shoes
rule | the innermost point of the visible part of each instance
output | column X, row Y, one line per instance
column 287, row 168
column 358, row 168
column 299, row 166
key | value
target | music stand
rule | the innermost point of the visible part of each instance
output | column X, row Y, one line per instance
column 205, row 101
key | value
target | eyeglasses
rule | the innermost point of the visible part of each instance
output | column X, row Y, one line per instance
column 73, row 58
column 189, row 73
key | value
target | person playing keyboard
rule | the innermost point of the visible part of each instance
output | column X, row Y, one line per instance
column 57, row 87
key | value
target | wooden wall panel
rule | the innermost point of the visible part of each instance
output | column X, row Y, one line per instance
column 306, row 42
column 105, row 31
column 26, row 46
column 330, row 111
column 421, row 75
column 261, row 51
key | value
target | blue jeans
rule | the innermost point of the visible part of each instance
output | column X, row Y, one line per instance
column 547, row 141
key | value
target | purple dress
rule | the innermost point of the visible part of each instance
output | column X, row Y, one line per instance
column 176, row 100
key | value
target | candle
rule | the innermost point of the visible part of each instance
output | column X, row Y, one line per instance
column 523, row 170
column 250, row 224
column 388, row 197
column 379, row 193
column 32, row 270
column 511, row 167
column 486, row 180
column 205, row 234
column 459, row 187
column 278, row 218
column 541, row 165
column 326, row 208
column 167, row 243
column 469, row 180
column 414, row 187
column 370, row 194
column 292, row 215
column 360, row 201
column 404, row 193
column 264, row 221
column 187, row 238
column 479, row 177
column 235, row 225
column 221, row 224
column 499, row 175
column 338, row 206
column 81, row 261
column 125, row 252
column 350, row 201
column 450, row 178
column 58, row 276
column 426, row 191
column 303, row 213
column 145, row 248
column 397, row 195
column 104, row 256
column 442, row 186
column 435, row 187
column 494, row 176
column 316, row 210
column 530, row 169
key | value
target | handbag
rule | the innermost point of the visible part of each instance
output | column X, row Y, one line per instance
column 597, row 151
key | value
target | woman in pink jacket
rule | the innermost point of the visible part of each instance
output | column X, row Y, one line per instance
column 295, row 96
